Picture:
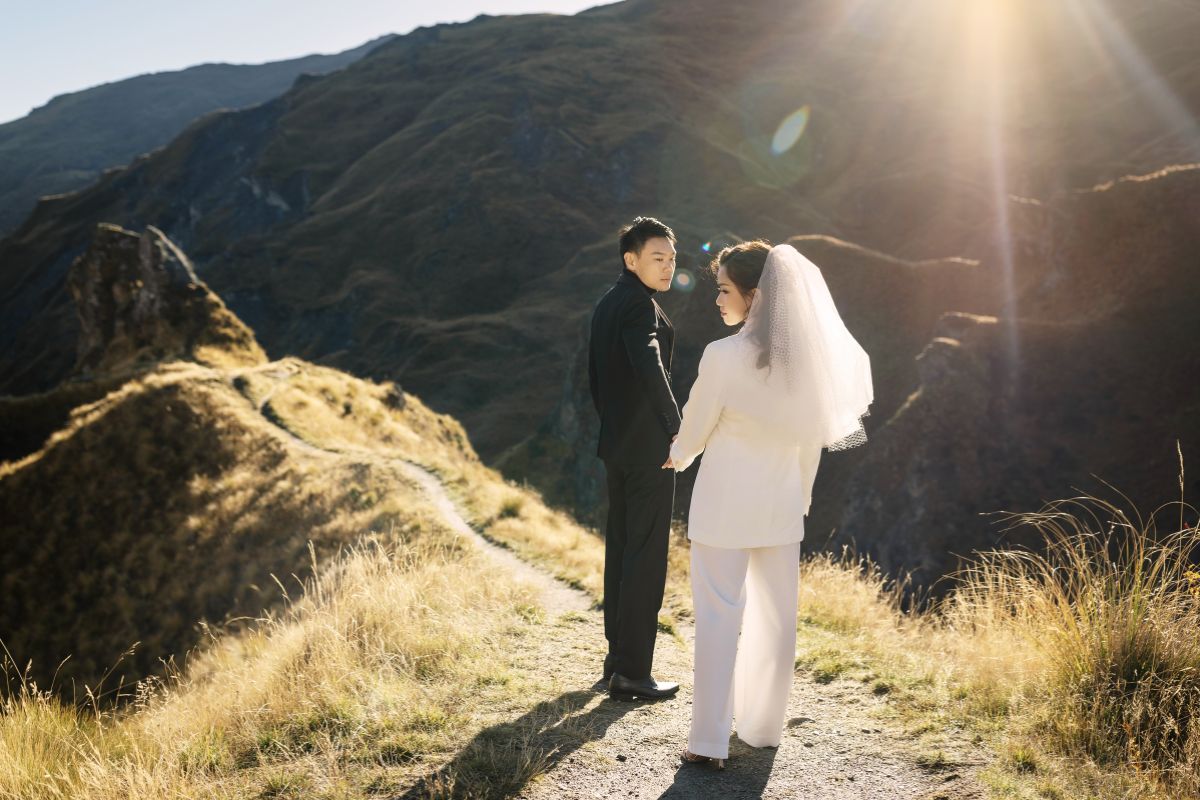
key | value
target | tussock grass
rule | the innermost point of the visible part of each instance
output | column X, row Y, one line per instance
column 1101, row 635
column 166, row 505
column 187, row 494
column 365, row 419
column 372, row 667
column 1081, row 660
column 1079, row 663
column 353, row 679
column 27, row 421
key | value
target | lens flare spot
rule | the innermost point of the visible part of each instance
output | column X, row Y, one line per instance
column 790, row 130
column 706, row 247
column 684, row 280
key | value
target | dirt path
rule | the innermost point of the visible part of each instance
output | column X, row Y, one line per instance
column 834, row 747
column 556, row 597
column 837, row 744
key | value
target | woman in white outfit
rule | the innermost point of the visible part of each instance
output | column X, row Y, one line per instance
column 766, row 401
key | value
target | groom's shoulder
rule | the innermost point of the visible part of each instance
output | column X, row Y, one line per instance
column 621, row 295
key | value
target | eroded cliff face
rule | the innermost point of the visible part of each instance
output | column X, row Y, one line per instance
column 1094, row 383
column 140, row 302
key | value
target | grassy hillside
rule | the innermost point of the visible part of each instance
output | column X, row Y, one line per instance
column 441, row 213
column 1077, row 667
column 169, row 504
column 1077, row 663
column 366, row 674
column 218, row 570
column 325, row 632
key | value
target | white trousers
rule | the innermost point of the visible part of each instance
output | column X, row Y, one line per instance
column 754, row 590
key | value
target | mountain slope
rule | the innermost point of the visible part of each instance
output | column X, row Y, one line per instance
column 1095, row 379
column 402, row 217
column 443, row 211
column 409, row 665
column 179, row 495
column 65, row 144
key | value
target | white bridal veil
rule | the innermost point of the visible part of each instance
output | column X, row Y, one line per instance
column 819, row 375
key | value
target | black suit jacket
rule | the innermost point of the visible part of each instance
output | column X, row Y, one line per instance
column 629, row 370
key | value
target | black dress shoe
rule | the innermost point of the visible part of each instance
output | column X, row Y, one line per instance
column 648, row 688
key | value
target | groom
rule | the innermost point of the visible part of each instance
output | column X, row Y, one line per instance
column 629, row 367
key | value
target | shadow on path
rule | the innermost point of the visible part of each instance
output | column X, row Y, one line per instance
column 745, row 775
column 502, row 758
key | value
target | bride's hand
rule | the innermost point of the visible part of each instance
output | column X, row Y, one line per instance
column 669, row 465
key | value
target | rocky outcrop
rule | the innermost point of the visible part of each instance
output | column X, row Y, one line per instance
column 1127, row 247
column 139, row 302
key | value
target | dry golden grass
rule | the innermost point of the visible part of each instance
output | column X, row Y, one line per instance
column 27, row 421
column 369, row 670
column 321, row 406
column 367, row 677
column 167, row 502
column 363, row 418
column 1079, row 664
column 1100, row 636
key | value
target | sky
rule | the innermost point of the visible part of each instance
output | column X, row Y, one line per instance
column 50, row 48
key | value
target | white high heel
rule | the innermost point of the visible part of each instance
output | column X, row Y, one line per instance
column 687, row 756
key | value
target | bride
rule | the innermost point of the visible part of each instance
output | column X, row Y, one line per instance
column 766, row 401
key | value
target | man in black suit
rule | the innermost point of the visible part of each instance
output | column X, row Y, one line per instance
column 629, row 369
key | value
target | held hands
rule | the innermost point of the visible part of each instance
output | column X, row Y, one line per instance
column 669, row 464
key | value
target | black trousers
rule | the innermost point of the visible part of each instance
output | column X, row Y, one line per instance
column 640, row 499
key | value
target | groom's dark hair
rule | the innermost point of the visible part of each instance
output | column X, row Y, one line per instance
column 635, row 235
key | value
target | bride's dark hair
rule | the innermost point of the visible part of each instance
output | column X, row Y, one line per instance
column 743, row 263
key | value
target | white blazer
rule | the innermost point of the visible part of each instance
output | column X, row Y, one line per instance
column 752, row 490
